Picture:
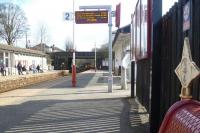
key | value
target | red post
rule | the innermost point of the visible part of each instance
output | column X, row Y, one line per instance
column 73, row 65
column 73, row 76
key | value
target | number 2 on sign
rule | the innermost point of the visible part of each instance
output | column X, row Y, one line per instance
column 67, row 16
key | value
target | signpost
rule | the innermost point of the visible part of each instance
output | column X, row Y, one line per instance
column 74, row 63
column 100, row 16
column 186, row 16
column 117, row 17
column 93, row 17
column 68, row 16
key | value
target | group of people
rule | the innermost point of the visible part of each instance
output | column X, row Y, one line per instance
column 22, row 69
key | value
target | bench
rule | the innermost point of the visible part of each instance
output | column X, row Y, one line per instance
column 182, row 117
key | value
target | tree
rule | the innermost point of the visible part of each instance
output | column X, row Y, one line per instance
column 13, row 23
column 42, row 36
column 43, row 33
column 68, row 45
column 103, row 50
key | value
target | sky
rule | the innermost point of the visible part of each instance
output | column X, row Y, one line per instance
column 49, row 13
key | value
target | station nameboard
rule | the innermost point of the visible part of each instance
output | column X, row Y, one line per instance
column 117, row 17
column 91, row 17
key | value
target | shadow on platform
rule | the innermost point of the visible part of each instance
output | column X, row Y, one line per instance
column 108, row 115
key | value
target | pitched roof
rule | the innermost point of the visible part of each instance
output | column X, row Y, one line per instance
column 121, row 33
column 56, row 49
column 121, row 38
column 40, row 45
column 44, row 46
column 21, row 50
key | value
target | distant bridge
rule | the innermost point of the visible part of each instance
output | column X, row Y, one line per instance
column 79, row 55
column 83, row 55
column 66, row 57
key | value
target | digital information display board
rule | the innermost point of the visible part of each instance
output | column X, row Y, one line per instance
column 91, row 17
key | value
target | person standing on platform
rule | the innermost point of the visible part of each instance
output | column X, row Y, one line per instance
column 19, row 68
column 1, row 68
column 4, row 70
column 38, row 68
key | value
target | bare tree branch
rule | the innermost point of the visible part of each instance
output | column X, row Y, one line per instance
column 13, row 23
column 43, row 36
column 103, row 48
column 43, row 33
column 68, row 45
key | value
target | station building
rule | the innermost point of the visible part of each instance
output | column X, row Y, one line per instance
column 122, row 59
column 10, row 56
column 121, row 47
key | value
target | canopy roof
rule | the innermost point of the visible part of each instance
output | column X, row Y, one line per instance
column 122, row 35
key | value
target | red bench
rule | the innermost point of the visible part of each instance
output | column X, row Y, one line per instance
column 182, row 117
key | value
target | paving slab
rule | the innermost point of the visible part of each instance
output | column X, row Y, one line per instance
column 55, row 106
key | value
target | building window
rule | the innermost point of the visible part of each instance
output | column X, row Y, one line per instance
column 6, row 54
column 6, row 62
column 1, row 54
column 1, row 58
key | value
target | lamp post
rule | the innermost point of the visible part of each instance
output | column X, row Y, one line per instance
column 95, row 58
column 73, row 61
column 70, row 16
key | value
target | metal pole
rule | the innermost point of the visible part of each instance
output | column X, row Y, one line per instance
column 73, row 61
column 26, row 40
column 110, row 78
column 109, row 8
column 95, row 58
column 156, row 10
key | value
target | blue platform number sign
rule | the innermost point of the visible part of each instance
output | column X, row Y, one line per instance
column 186, row 16
column 67, row 16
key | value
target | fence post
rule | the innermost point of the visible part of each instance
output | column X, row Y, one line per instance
column 156, row 68
column 133, row 79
